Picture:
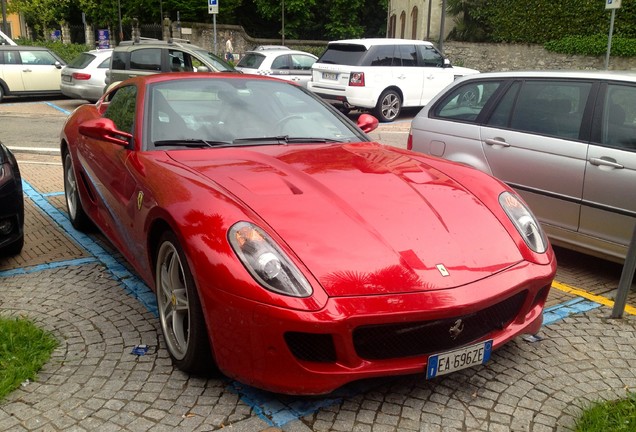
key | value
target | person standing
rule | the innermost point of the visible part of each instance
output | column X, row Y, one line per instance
column 229, row 49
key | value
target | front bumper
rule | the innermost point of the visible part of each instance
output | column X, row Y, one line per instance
column 298, row 352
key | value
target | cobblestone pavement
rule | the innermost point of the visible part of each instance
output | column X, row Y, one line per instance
column 77, row 288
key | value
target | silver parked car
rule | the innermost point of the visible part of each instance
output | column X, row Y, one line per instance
column 83, row 77
column 565, row 140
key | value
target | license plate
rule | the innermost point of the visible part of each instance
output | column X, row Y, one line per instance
column 451, row 361
column 66, row 78
column 329, row 76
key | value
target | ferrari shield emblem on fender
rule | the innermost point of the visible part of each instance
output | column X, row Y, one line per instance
column 442, row 270
column 140, row 199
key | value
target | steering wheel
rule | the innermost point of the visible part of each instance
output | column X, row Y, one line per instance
column 282, row 122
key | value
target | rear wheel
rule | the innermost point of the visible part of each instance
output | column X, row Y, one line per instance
column 76, row 213
column 14, row 248
column 180, row 312
column 389, row 106
column 1, row 93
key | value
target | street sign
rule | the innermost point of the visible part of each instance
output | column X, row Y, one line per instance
column 213, row 6
column 609, row 4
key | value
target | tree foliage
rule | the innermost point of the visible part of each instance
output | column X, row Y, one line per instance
column 303, row 19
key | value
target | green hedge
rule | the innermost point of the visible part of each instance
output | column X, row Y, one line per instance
column 593, row 45
column 66, row 51
column 541, row 21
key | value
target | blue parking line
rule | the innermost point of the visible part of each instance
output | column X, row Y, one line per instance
column 133, row 285
column 47, row 266
column 572, row 307
column 276, row 410
column 52, row 105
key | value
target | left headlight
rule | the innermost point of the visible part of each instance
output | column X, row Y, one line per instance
column 524, row 221
column 266, row 262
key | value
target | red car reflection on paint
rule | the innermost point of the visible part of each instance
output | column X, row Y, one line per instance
column 290, row 251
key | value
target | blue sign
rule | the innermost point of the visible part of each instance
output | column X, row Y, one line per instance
column 103, row 39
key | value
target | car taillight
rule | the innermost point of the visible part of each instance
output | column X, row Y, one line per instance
column 81, row 76
column 356, row 79
column 409, row 141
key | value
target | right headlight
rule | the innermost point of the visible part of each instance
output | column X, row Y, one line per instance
column 524, row 221
column 266, row 262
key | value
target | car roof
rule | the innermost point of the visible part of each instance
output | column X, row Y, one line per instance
column 171, row 76
column 562, row 74
column 277, row 51
column 381, row 41
column 135, row 44
column 22, row 47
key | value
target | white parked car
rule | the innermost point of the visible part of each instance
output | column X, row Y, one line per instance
column 84, row 77
column 279, row 62
column 383, row 75
column 29, row 71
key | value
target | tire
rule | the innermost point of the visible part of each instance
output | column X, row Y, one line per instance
column 14, row 248
column 1, row 93
column 76, row 213
column 180, row 312
column 389, row 106
column 469, row 97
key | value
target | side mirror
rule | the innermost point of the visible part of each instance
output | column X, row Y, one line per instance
column 447, row 63
column 367, row 123
column 58, row 65
column 203, row 69
column 104, row 129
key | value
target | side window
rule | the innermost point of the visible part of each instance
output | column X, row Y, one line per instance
column 408, row 55
column 500, row 116
column 10, row 57
column 37, row 58
column 121, row 109
column 551, row 108
column 429, row 56
column 119, row 60
column 281, row 62
column 618, row 127
column 177, row 61
column 467, row 101
column 104, row 65
column 146, row 59
column 383, row 55
column 302, row 62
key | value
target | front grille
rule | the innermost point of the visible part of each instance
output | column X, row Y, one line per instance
column 388, row 341
column 311, row 347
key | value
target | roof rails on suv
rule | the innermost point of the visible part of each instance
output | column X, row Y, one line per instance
column 145, row 40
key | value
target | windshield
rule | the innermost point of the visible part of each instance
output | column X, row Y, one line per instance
column 219, row 65
column 241, row 111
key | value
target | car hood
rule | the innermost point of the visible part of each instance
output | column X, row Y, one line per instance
column 363, row 218
column 461, row 71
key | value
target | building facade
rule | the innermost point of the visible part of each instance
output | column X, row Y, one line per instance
column 417, row 19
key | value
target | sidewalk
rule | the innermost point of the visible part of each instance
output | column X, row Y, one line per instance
column 74, row 286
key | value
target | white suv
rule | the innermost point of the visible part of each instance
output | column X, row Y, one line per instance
column 382, row 74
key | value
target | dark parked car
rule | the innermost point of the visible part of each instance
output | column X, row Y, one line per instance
column 11, row 204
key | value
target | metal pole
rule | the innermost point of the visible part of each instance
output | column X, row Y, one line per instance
column 283, row 23
column 609, row 39
column 214, row 25
column 121, row 29
column 441, row 27
column 627, row 277
column 4, row 17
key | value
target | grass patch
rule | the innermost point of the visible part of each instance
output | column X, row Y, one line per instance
column 24, row 348
column 612, row 416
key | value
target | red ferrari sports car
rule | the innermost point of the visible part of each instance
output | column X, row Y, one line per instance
column 288, row 250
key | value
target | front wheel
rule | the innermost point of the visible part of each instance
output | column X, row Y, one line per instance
column 76, row 212
column 180, row 312
column 389, row 106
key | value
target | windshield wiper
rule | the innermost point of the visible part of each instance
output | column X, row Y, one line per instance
column 285, row 139
column 190, row 143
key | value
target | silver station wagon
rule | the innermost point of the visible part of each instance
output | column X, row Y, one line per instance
column 566, row 141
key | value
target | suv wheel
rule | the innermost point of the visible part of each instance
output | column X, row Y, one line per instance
column 389, row 106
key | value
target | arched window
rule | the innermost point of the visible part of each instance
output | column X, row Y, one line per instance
column 402, row 24
column 414, row 23
column 392, row 22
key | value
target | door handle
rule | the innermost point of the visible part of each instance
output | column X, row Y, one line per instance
column 497, row 142
column 606, row 161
